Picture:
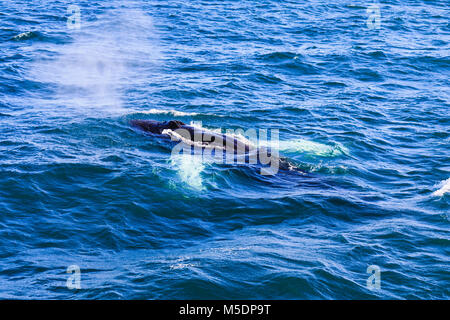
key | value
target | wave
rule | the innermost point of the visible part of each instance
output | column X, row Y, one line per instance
column 445, row 188
column 169, row 112
column 27, row 35
column 39, row 36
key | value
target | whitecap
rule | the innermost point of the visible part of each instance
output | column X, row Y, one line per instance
column 170, row 112
column 24, row 35
column 445, row 188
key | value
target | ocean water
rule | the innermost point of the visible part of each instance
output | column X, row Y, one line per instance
column 359, row 92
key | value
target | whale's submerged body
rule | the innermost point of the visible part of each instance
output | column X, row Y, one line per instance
column 193, row 138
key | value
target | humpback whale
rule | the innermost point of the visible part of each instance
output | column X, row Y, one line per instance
column 193, row 137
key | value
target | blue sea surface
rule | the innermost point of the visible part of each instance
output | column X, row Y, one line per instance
column 360, row 94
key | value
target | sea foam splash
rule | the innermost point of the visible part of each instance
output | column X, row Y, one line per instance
column 311, row 147
column 168, row 112
column 299, row 146
column 189, row 168
column 445, row 188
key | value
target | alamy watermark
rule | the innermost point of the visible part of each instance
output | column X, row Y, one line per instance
column 74, row 280
column 374, row 17
column 374, row 280
column 74, row 19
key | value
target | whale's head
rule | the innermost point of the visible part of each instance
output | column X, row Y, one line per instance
column 156, row 127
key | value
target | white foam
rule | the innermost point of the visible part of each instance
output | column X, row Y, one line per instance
column 306, row 146
column 170, row 112
column 182, row 266
column 23, row 35
column 189, row 168
column 445, row 188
